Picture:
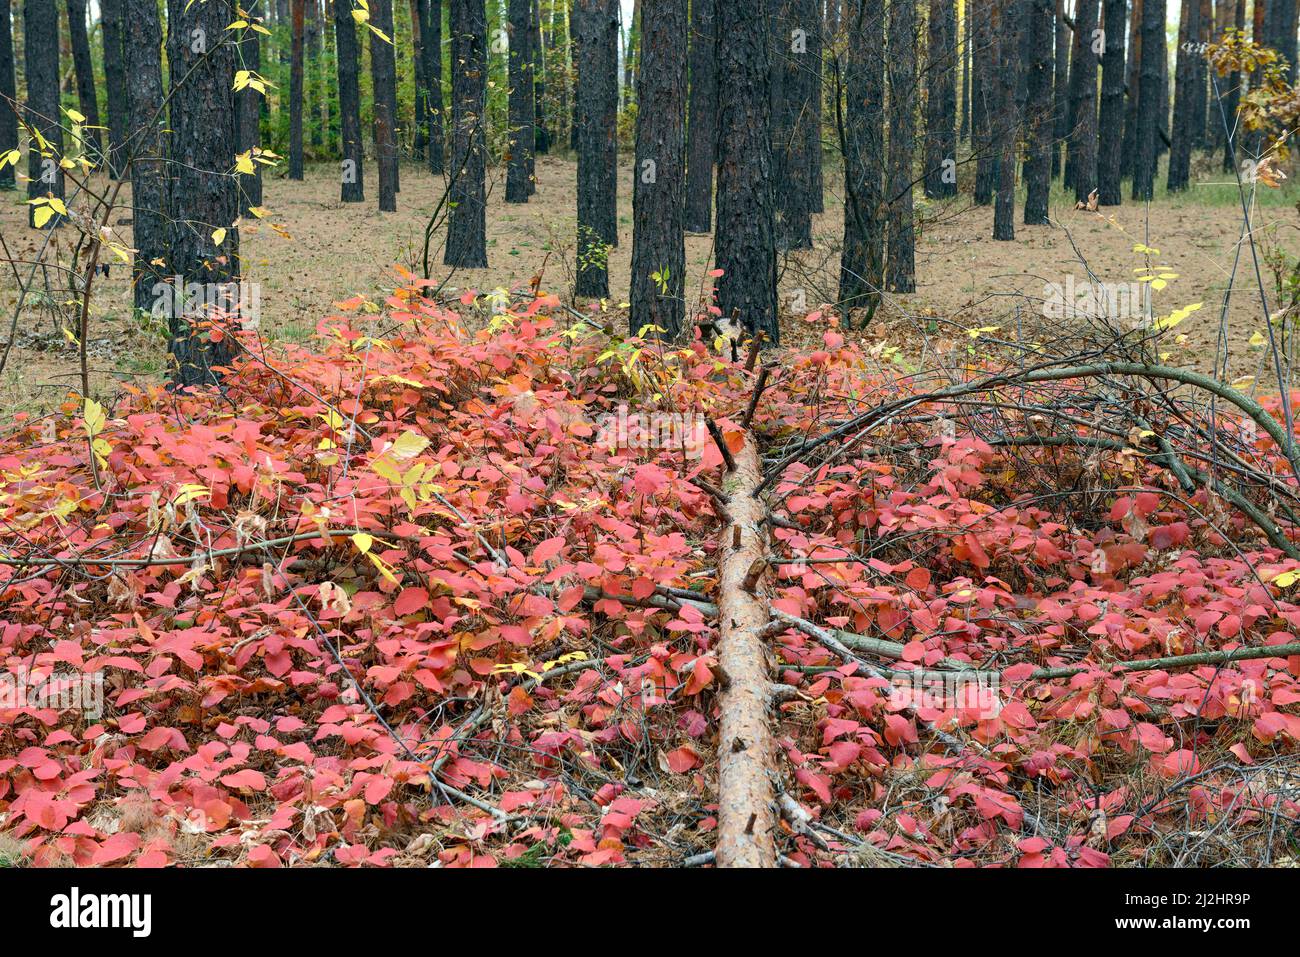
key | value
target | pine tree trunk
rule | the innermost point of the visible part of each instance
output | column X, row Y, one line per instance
column 744, row 241
column 1081, row 160
column 540, row 70
column 791, row 113
column 112, row 30
column 467, row 222
column 1006, row 29
column 383, row 80
column 1205, row 21
column 1152, row 75
column 521, row 133
column 1040, row 128
column 8, row 95
column 1110, row 130
column 248, row 104
column 1128, row 151
column 941, row 101
column 205, row 200
column 85, row 73
column 41, row 60
column 901, row 37
column 420, row 71
column 296, row 90
column 658, row 211
column 436, row 140
column 150, row 205
column 312, row 72
column 1183, row 130
column 983, row 94
column 1061, row 88
column 964, row 132
column 353, row 188
column 1230, row 89
column 814, row 58
column 702, row 121
column 862, row 261
column 595, row 26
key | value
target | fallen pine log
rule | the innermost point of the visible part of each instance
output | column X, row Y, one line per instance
column 746, row 764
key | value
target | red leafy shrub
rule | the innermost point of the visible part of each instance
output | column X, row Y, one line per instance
column 399, row 598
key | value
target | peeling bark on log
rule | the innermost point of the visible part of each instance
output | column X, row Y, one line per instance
column 746, row 795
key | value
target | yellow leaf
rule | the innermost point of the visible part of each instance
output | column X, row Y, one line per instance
column 95, row 417
column 244, row 164
column 75, row 116
column 189, row 492
column 407, row 446
column 218, row 236
column 41, row 216
column 362, row 541
column 385, row 569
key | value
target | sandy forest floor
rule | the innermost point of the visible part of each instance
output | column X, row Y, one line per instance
column 339, row 250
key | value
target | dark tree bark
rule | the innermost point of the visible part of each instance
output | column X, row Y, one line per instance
column 791, row 111
column 1152, row 76
column 150, row 202
column 901, row 37
column 983, row 54
column 85, row 73
column 111, row 28
column 702, row 121
column 901, row 263
column 816, row 182
column 8, row 95
column 436, row 147
column 964, row 132
column 1183, row 133
column 595, row 25
column 1162, row 113
column 1061, row 87
column 467, row 220
column 1040, row 132
column 540, row 70
column 248, row 104
column 1081, row 159
column 744, row 241
column 296, row 90
column 1110, row 129
column 522, row 102
column 1230, row 99
column 41, row 61
column 1205, row 24
column 312, row 96
column 862, row 135
column 420, row 69
column 941, row 101
column 1006, row 30
column 1128, row 151
column 345, row 42
column 383, row 80
column 658, row 210
column 1280, row 31
column 205, row 200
